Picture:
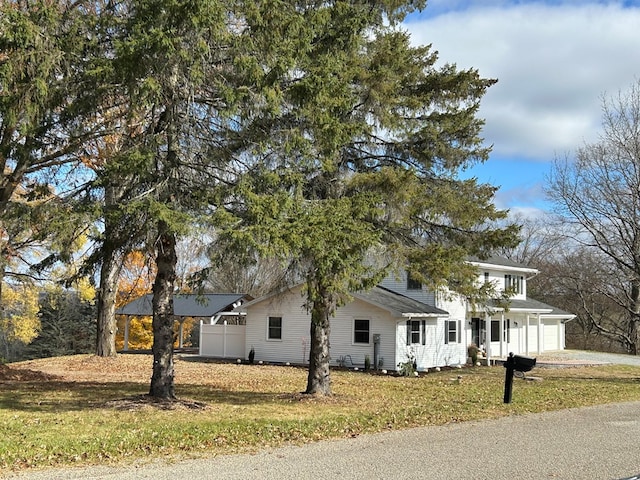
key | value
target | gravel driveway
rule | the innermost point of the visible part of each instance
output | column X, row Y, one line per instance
column 585, row 357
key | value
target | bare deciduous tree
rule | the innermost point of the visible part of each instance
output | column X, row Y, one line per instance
column 599, row 192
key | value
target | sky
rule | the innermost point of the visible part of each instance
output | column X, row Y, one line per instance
column 555, row 61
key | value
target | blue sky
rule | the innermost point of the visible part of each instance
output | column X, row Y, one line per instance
column 554, row 61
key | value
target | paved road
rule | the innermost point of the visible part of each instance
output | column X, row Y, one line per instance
column 591, row 443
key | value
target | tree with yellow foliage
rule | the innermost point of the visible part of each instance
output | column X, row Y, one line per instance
column 19, row 321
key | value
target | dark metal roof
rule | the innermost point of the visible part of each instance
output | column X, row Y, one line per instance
column 397, row 304
column 186, row 305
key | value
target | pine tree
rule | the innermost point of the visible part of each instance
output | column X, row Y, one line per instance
column 359, row 176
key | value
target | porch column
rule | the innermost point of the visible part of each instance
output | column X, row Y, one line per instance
column 127, row 321
column 487, row 338
column 180, row 331
column 502, row 335
column 540, row 336
column 526, row 335
column 560, row 336
column 224, row 339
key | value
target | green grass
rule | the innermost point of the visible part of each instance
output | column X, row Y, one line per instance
column 250, row 407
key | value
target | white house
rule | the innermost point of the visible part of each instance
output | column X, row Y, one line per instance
column 524, row 325
column 400, row 321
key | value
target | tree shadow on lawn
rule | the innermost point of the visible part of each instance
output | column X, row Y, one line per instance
column 64, row 396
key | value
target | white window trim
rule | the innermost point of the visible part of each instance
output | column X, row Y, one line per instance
column 353, row 332
column 422, row 332
column 458, row 331
column 267, row 337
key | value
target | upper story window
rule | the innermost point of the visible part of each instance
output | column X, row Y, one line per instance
column 413, row 284
column 515, row 283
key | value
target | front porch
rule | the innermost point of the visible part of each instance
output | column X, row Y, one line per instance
column 525, row 333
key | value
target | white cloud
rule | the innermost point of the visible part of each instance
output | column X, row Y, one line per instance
column 553, row 64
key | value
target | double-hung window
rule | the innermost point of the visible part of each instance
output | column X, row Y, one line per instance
column 451, row 331
column 361, row 331
column 416, row 332
column 274, row 330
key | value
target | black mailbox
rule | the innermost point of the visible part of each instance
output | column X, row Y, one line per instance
column 515, row 363
column 522, row 363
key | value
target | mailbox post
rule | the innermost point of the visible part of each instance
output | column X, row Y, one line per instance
column 515, row 363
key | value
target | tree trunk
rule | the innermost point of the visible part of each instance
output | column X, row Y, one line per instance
column 634, row 334
column 166, row 259
column 634, row 337
column 107, row 326
column 319, row 378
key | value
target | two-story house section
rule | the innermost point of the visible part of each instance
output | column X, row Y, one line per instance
column 401, row 321
column 520, row 325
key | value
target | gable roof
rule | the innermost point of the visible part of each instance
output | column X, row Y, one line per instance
column 399, row 305
column 186, row 305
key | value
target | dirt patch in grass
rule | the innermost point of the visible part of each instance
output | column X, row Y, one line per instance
column 139, row 402
column 309, row 398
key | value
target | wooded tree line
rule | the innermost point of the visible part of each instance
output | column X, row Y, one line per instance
column 588, row 248
column 311, row 134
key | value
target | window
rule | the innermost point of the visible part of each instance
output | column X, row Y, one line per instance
column 486, row 277
column 451, row 331
column 361, row 331
column 514, row 283
column 416, row 332
column 413, row 284
column 275, row 328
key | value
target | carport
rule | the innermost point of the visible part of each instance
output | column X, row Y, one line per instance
column 204, row 306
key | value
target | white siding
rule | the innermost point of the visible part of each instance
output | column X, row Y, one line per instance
column 435, row 353
column 398, row 283
column 496, row 277
column 294, row 346
column 380, row 322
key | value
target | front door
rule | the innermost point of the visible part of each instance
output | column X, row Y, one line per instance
column 478, row 331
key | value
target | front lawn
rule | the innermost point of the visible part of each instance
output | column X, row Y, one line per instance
column 87, row 410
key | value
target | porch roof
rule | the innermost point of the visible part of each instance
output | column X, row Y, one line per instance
column 186, row 305
column 399, row 305
column 531, row 305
